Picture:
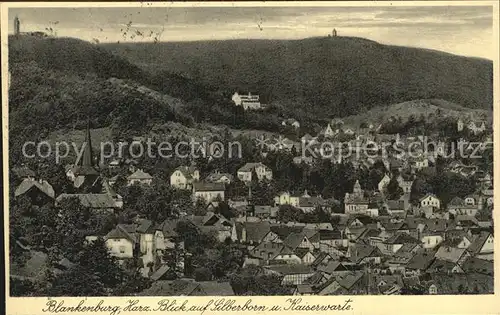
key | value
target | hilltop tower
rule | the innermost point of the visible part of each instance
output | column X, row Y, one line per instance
column 334, row 32
column 17, row 26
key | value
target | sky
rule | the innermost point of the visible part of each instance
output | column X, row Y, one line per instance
column 462, row 30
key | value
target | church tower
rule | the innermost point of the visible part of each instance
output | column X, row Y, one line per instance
column 334, row 32
column 85, row 173
column 357, row 191
column 17, row 26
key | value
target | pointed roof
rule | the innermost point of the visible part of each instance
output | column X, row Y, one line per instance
column 85, row 163
column 139, row 174
column 88, row 157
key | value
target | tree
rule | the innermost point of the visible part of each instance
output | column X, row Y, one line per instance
column 202, row 274
column 287, row 213
column 393, row 190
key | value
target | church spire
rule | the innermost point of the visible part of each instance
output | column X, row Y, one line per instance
column 88, row 156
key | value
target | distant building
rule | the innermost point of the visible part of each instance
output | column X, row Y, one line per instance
column 39, row 191
column 249, row 101
column 208, row 192
column 334, row 32
column 356, row 203
column 139, row 177
column 184, row 176
column 291, row 122
column 262, row 171
column 17, row 26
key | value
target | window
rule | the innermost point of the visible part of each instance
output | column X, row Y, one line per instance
column 116, row 240
column 122, row 249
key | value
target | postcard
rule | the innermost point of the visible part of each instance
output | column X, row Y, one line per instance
column 250, row 157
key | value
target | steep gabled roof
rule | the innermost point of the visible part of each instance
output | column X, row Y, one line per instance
column 478, row 243
column 28, row 184
column 123, row 231
column 140, row 175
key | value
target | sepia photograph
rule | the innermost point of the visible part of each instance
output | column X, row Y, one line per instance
column 249, row 150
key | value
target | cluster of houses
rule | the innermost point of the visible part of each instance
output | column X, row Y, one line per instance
column 377, row 246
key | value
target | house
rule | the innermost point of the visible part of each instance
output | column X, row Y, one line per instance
column 250, row 232
column 332, row 268
column 165, row 234
column 285, row 198
column 293, row 274
column 482, row 246
column 184, row 176
column 122, row 241
column 477, row 265
column 218, row 177
column 356, row 203
column 262, row 171
column 188, row 287
column 452, row 254
column 139, row 177
column 208, row 192
column 397, row 241
column 430, row 200
column 360, row 254
column 265, row 212
column 328, row 132
column 291, row 122
column 329, row 239
column 458, row 206
column 39, row 192
column 247, row 101
column 347, row 284
column 419, row 263
column 402, row 256
column 385, row 284
column 444, row 266
column 305, row 254
column 270, row 252
column 405, row 183
column 296, row 240
column 212, row 223
column 383, row 183
column 100, row 202
column 395, row 207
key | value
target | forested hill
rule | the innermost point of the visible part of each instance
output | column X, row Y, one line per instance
column 338, row 76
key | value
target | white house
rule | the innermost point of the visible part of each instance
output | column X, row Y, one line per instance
column 262, row 171
column 218, row 177
column 121, row 241
column 249, row 101
column 430, row 200
column 208, row 192
column 184, row 176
